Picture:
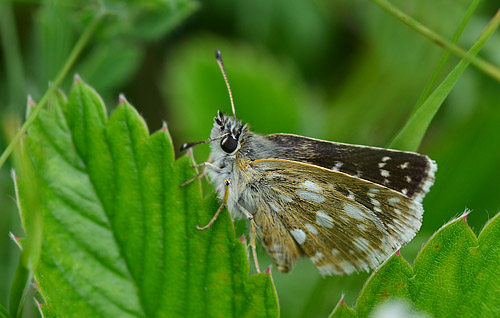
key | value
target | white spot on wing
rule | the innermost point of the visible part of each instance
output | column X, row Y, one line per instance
column 353, row 211
column 404, row 165
column 393, row 200
column 324, row 219
column 350, row 195
column 274, row 207
column 317, row 257
column 372, row 192
column 298, row 235
column 381, row 164
column 286, row 198
column 408, row 179
column 361, row 244
column 311, row 228
column 310, row 196
column 384, row 159
column 327, row 269
column 311, row 186
column 337, row 165
column 347, row 267
column 384, row 173
column 404, row 191
column 274, row 175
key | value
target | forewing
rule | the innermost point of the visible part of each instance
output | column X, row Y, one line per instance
column 343, row 223
column 407, row 172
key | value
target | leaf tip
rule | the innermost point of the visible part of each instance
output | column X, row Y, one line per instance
column 122, row 99
column 31, row 102
column 242, row 238
column 464, row 216
column 164, row 126
column 268, row 270
column 397, row 253
column 77, row 79
column 342, row 302
column 14, row 238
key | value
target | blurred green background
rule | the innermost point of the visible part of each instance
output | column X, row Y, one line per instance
column 337, row 70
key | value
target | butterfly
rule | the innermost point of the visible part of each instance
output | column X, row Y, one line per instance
column 346, row 207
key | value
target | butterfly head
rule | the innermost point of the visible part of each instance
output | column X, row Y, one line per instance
column 227, row 133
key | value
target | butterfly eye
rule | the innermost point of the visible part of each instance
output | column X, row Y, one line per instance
column 229, row 144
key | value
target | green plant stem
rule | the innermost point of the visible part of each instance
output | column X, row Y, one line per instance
column 33, row 223
column 484, row 66
column 84, row 38
column 12, row 56
column 20, row 285
column 410, row 137
column 432, row 82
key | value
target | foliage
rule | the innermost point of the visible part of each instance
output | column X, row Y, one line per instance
column 120, row 235
column 455, row 264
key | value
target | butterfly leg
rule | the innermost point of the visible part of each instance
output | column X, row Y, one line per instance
column 201, row 174
column 196, row 177
column 253, row 234
column 219, row 210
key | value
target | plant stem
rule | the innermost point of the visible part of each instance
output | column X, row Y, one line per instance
column 484, row 66
column 428, row 88
column 84, row 38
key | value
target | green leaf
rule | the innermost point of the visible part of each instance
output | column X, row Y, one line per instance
column 342, row 310
column 120, row 237
column 411, row 135
column 391, row 280
column 455, row 275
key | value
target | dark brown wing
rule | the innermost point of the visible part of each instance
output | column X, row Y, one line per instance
column 406, row 172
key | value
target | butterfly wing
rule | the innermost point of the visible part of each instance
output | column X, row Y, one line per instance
column 342, row 223
column 407, row 172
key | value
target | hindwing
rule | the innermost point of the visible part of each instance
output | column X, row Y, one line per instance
column 341, row 222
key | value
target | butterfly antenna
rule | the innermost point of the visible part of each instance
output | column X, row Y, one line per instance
column 196, row 143
column 223, row 70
